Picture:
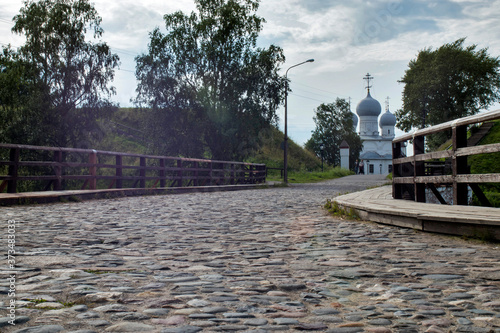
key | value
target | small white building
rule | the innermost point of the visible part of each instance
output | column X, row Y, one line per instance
column 377, row 145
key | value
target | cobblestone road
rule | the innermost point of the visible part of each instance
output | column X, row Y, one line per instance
column 257, row 260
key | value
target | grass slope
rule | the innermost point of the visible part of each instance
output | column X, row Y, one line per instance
column 303, row 165
column 271, row 153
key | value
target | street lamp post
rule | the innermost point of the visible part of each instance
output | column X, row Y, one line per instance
column 285, row 157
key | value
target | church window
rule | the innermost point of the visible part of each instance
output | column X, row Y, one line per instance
column 372, row 170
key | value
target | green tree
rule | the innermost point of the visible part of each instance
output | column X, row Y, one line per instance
column 450, row 82
column 211, row 90
column 57, row 79
column 20, row 101
column 333, row 125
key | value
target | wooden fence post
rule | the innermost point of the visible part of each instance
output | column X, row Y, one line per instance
column 93, row 170
column 262, row 174
column 162, row 173
column 419, row 167
column 13, row 169
column 459, row 165
column 179, row 173
column 232, row 181
column 119, row 171
column 397, row 189
column 210, row 173
column 58, row 170
column 142, row 173
column 251, row 174
column 196, row 181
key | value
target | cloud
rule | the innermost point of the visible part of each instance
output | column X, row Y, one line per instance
column 8, row 9
column 360, row 22
column 7, row 12
column 127, row 23
column 435, row 9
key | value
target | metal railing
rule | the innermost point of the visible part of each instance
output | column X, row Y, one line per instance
column 410, row 178
column 35, row 168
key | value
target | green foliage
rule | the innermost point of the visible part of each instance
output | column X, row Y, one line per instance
column 125, row 132
column 450, row 82
column 303, row 165
column 97, row 272
column 36, row 301
column 57, row 82
column 120, row 143
column 488, row 163
column 333, row 125
column 21, row 103
column 209, row 88
column 271, row 152
column 317, row 176
column 334, row 209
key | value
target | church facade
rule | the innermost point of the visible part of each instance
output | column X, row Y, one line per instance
column 376, row 132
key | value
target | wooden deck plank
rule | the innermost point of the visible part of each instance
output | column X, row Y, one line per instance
column 379, row 206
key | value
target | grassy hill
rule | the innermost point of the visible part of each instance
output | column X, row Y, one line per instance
column 123, row 134
column 271, row 153
column 303, row 165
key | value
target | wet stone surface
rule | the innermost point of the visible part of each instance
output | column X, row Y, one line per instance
column 266, row 260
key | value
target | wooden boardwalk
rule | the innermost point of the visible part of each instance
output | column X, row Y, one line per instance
column 377, row 205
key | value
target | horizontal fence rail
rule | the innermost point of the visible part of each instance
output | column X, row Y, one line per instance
column 33, row 168
column 412, row 175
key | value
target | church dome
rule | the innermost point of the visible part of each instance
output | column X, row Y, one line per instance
column 368, row 107
column 387, row 119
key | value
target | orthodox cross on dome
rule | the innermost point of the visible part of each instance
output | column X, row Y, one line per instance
column 387, row 103
column 368, row 77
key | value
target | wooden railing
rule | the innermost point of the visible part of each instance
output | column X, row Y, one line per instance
column 410, row 178
column 33, row 168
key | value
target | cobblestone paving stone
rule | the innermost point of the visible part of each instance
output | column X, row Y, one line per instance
column 249, row 261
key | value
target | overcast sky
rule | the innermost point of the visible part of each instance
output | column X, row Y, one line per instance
column 347, row 39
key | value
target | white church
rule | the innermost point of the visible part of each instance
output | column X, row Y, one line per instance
column 376, row 132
